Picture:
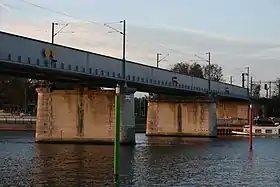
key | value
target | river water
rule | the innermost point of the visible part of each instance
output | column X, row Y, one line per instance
column 154, row 161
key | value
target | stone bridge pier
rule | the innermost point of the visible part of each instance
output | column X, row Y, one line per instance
column 83, row 116
column 191, row 117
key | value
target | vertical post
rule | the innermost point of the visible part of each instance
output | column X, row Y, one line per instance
column 117, row 136
column 144, row 106
column 158, row 59
column 53, row 32
column 251, row 127
column 269, row 89
column 140, row 107
column 251, row 86
column 230, row 79
column 25, row 99
column 124, row 51
column 243, row 80
column 209, row 73
column 248, row 79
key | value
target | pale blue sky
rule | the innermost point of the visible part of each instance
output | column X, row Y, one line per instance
column 237, row 32
column 247, row 18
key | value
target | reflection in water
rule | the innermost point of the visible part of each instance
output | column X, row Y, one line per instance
column 74, row 165
column 153, row 162
column 250, row 159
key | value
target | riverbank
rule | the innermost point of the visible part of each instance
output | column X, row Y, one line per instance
column 10, row 122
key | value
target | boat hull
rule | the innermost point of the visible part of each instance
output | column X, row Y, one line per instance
column 268, row 131
column 239, row 133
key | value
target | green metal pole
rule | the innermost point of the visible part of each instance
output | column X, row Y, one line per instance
column 117, row 136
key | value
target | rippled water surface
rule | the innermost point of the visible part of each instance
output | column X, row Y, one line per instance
column 152, row 162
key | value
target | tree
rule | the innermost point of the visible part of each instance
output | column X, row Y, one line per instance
column 256, row 90
column 185, row 68
column 181, row 67
column 277, row 88
column 12, row 92
column 216, row 72
column 140, row 106
column 188, row 69
column 196, row 70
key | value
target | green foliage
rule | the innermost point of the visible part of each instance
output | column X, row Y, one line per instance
column 277, row 88
column 216, row 72
column 196, row 70
column 256, row 90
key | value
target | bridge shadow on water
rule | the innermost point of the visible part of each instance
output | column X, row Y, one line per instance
column 154, row 161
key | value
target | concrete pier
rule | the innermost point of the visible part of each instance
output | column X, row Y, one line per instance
column 83, row 116
column 182, row 118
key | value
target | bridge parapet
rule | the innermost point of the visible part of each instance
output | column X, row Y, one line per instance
column 20, row 53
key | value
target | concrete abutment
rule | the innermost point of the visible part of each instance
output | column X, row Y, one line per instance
column 83, row 116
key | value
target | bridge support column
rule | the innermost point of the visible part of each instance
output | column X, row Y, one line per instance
column 83, row 116
column 183, row 118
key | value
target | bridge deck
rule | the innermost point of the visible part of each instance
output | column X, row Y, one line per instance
column 28, row 57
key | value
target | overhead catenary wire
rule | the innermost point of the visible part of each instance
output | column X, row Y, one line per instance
column 83, row 22
column 59, row 12
column 86, row 21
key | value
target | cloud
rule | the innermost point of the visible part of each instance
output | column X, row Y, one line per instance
column 205, row 34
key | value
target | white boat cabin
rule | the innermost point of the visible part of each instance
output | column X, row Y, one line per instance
column 263, row 130
column 264, row 127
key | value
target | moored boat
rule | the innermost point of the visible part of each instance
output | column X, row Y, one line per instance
column 261, row 128
column 239, row 133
